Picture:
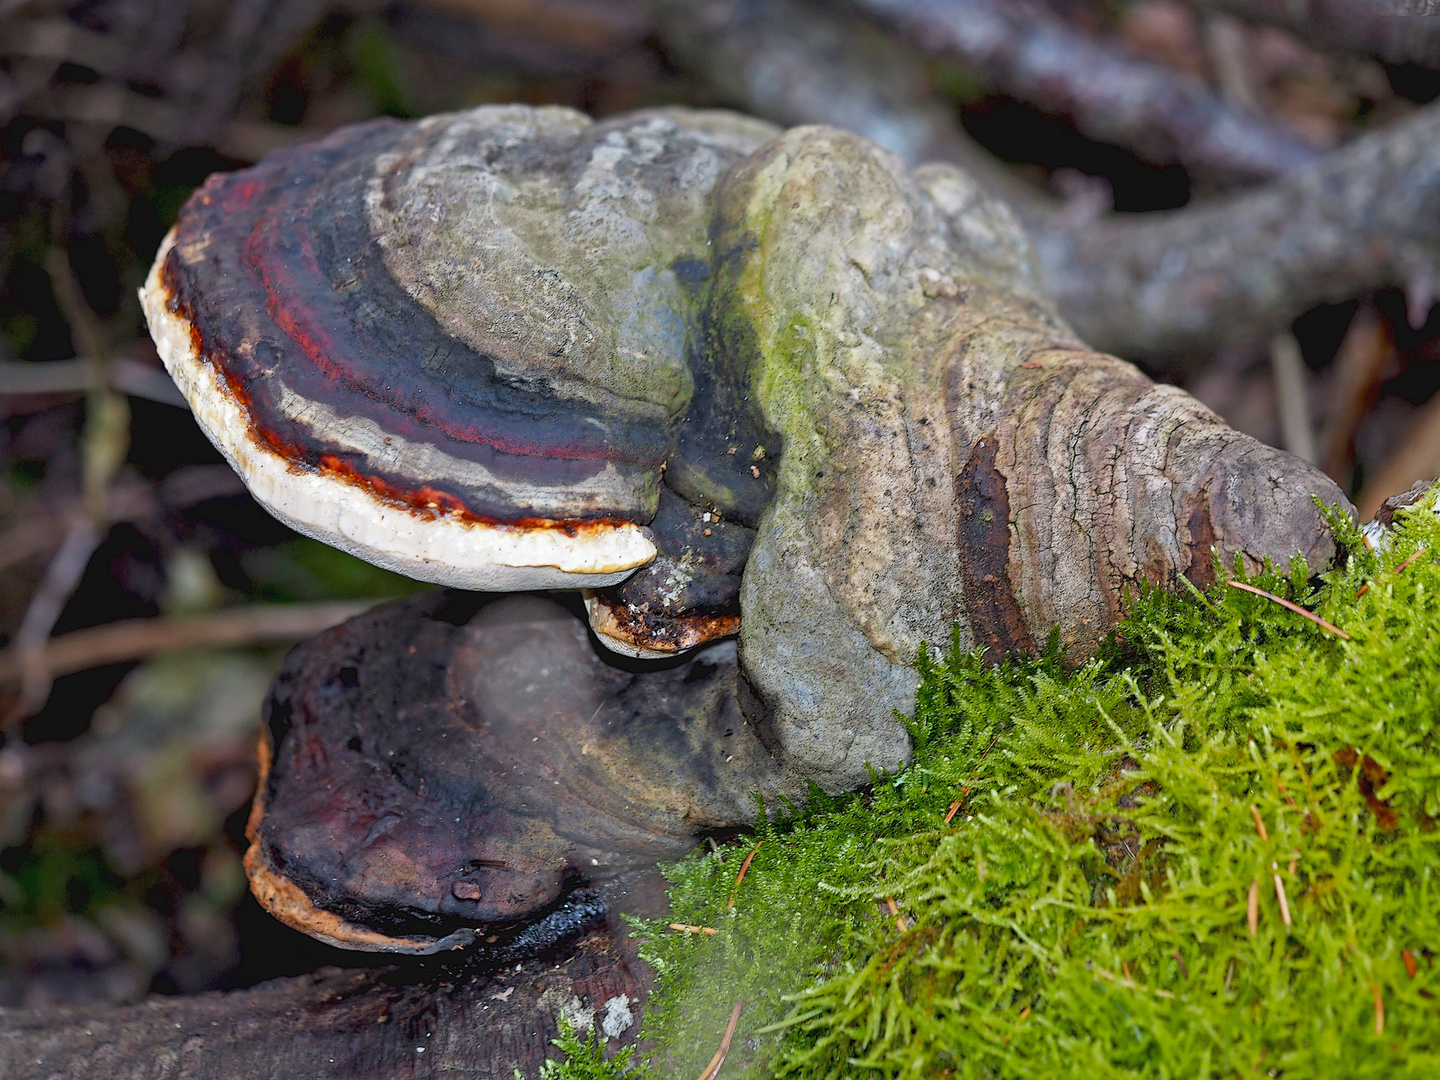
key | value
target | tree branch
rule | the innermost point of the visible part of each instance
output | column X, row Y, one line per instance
column 1391, row 30
column 1033, row 56
column 1366, row 216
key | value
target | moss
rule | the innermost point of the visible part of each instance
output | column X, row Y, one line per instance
column 1086, row 910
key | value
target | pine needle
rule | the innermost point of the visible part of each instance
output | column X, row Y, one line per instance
column 1316, row 619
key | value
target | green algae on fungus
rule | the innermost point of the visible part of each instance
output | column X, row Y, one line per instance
column 1087, row 910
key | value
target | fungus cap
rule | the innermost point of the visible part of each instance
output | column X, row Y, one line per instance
column 408, row 353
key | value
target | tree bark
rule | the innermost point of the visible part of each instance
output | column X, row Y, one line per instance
column 372, row 1024
column 1366, row 216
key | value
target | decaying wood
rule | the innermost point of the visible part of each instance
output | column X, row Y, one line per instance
column 374, row 1024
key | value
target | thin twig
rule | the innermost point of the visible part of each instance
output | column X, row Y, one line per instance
column 686, row 928
column 134, row 639
column 28, row 652
column 41, row 528
column 713, row 1069
column 1252, row 908
column 741, row 876
column 954, row 809
column 1379, row 1009
column 1316, row 619
column 1411, row 968
column 77, row 376
column 1409, row 560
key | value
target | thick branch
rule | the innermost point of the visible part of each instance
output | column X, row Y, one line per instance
column 1160, row 114
column 797, row 64
column 1392, row 30
column 353, row 1024
column 1181, row 282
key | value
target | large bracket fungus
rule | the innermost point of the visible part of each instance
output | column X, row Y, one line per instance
column 724, row 377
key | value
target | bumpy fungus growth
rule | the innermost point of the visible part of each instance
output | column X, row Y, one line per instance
column 811, row 395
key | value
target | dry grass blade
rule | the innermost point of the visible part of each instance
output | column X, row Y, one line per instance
column 1417, row 457
column 1379, row 1009
column 1259, row 823
column 1409, row 562
column 1365, row 353
column 1316, row 619
column 1284, row 903
column 741, row 876
column 1252, row 908
column 1411, row 968
column 954, row 809
column 713, row 1069
column 1130, row 984
column 687, row 928
column 134, row 639
column 901, row 923
column 1292, row 397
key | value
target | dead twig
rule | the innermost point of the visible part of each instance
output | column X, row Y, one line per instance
column 78, row 376
column 1184, row 282
column 29, row 648
column 1163, row 115
column 1252, row 908
column 1259, row 823
column 1325, row 625
column 1130, row 984
column 134, row 639
column 1283, row 902
column 1360, row 27
column 42, row 528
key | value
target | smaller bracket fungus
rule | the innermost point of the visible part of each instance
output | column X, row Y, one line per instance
column 456, row 767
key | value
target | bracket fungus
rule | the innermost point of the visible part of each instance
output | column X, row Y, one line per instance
column 725, row 378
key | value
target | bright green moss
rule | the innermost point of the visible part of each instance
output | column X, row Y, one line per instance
column 1086, row 910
